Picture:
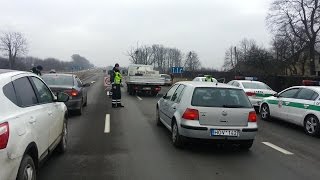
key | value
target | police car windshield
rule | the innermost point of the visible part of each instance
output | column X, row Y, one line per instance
column 220, row 97
column 58, row 80
column 255, row 85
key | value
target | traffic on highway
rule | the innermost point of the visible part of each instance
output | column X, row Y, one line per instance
column 213, row 125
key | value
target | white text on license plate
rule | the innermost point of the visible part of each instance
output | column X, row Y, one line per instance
column 224, row 132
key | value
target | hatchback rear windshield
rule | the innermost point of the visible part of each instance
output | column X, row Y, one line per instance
column 255, row 85
column 58, row 80
column 220, row 97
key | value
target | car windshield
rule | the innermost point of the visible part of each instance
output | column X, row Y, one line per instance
column 58, row 80
column 220, row 97
column 255, row 85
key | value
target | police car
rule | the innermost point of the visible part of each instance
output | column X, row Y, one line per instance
column 298, row 105
column 254, row 89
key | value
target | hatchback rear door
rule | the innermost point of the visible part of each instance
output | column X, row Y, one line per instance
column 221, row 106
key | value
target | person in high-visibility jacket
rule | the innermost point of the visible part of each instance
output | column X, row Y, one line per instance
column 116, row 80
column 208, row 78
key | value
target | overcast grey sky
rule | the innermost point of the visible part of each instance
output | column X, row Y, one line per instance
column 103, row 30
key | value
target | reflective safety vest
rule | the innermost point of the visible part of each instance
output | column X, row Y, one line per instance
column 117, row 78
column 208, row 79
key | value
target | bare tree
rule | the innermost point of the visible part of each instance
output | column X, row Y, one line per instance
column 302, row 17
column 13, row 44
column 192, row 62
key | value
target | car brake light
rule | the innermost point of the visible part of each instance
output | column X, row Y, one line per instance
column 191, row 114
column 252, row 116
column 4, row 135
column 158, row 88
column 72, row 92
column 250, row 93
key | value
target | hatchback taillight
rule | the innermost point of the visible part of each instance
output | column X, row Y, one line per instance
column 72, row 92
column 250, row 93
column 4, row 135
column 191, row 114
column 252, row 116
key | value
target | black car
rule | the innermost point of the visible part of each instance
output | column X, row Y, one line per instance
column 72, row 85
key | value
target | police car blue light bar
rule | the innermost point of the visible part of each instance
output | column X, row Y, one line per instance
column 246, row 78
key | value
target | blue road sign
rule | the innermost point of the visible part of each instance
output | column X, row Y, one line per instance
column 176, row 70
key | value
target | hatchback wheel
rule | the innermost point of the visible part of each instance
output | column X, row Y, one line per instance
column 80, row 110
column 158, row 118
column 245, row 145
column 265, row 112
column 27, row 169
column 311, row 125
column 62, row 147
column 177, row 139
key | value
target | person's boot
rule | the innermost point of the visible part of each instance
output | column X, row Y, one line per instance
column 120, row 105
column 114, row 105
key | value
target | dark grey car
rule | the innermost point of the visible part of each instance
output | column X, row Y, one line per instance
column 72, row 85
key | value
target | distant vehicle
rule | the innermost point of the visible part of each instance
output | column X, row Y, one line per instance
column 210, row 111
column 167, row 79
column 298, row 105
column 71, row 85
column 143, row 79
column 53, row 71
column 255, row 90
column 33, row 123
column 202, row 79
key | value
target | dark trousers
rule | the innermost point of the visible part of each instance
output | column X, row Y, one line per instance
column 116, row 95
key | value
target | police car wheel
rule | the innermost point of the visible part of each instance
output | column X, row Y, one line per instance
column 265, row 112
column 312, row 126
column 177, row 139
column 158, row 118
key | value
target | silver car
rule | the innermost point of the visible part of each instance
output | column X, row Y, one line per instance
column 210, row 111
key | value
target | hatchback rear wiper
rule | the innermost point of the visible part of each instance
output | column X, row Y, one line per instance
column 232, row 106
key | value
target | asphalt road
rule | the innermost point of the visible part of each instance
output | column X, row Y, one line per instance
column 135, row 148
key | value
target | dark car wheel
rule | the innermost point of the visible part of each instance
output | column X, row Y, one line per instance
column 312, row 126
column 265, row 112
column 245, row 145
column 159, row 123
column 177, row 139
column 27, row 169
column 80, row 110
column 62, row 147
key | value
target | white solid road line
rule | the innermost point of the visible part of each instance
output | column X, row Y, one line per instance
column 139, row 98
column 107, row 124
column 278, row 148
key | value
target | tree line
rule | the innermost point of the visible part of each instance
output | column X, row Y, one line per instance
column 163, row 58
column 14, row 47
column 295, row 26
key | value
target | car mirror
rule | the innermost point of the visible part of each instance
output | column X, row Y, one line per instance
column 62, row 97
column 276, row 95
column 86, row 85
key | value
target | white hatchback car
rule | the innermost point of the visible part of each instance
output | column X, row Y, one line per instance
column 255, row 90
column 299, row 105
column 209, row 111
column 33, row 122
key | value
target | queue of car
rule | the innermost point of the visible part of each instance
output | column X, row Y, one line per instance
column 34, row 118
column 197, row 109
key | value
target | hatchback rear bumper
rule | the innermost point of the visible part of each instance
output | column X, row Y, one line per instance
column 192, row 130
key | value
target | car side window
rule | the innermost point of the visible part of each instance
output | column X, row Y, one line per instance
column 43, row 92
column 231, row 83
column 236, row 84
column 307, row 94
column 177, row 93
column 25, row 93
column 79, row 82
column 9, row 92
column 289, row 93
column 171, row 91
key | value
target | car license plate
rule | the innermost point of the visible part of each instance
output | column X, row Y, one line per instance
column 224, row 132
column 146, row 88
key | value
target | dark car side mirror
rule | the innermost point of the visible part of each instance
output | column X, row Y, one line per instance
column 276, row 95
column 62, row 97
column 86, row 85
